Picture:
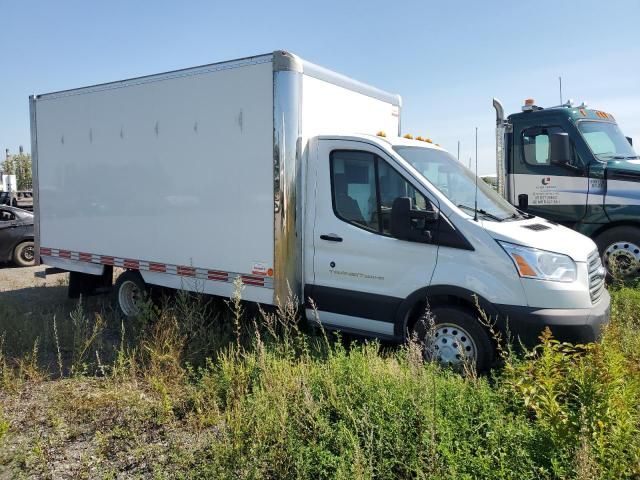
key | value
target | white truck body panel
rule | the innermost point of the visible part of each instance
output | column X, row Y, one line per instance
column 107, row 177
column 332, row 109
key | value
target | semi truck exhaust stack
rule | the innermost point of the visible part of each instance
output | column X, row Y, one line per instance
column 500, row 153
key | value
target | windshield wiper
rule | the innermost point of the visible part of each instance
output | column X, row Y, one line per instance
column 522, row 214
column 481, row 211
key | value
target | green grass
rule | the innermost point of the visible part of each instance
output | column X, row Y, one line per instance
column 204, row 390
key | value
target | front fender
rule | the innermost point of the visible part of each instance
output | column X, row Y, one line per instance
column 440, row 294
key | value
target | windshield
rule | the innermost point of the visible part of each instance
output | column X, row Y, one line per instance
column 606, row 141
column 457, row 182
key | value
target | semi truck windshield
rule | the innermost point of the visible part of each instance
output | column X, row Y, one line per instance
column 457, row 182
column 606, row 140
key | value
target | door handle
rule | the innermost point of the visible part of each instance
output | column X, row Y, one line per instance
column 332, row 237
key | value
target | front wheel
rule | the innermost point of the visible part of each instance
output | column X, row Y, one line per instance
column 130, row 293
column 455, row 337
column 24, row 254
column 619, row 248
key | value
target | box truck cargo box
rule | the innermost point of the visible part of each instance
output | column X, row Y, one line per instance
column 294, row 179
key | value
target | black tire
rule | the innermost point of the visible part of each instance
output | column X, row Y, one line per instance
column 621, row 243
column 24, row 254
column 456, row 330
column 130, row 292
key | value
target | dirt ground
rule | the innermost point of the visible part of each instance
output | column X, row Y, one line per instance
column 19, row 284
column 34, row 310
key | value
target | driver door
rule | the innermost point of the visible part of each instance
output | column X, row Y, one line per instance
column 554, row 192
column 361, row 274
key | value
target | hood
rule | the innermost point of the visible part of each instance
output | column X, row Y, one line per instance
column 628, row 170
column 544, row 235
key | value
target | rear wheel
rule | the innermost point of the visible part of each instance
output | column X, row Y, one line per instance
column 130, row 293
column 619, row 248
column 24, row 254
column 455, row 338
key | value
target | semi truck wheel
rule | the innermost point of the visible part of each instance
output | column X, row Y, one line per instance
column 24, row 254
column 619, row 248
column 456, row 337
column 130, row 293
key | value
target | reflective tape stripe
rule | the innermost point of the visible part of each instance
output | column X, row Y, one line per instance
column 186, row 271
column 128, row 263
column 156, row 267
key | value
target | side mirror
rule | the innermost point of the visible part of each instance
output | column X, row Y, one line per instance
column 630, row 140
column 559, row 149
column 400, row 225
column 431, row 216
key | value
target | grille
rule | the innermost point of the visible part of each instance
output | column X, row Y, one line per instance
column 536, row 227
column 596, row 276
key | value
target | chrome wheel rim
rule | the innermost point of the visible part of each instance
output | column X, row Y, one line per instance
column 453, row 345
column 129, row 298
column 622, row 259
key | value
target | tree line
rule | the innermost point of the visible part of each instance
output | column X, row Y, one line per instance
column 20, row 166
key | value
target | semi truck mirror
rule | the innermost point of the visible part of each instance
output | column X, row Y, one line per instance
column 559, row 148
column 431, row 216
column 630, row 140
column 523, row 202
column 401, row 218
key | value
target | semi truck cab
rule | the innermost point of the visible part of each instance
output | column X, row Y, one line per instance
column 573, row 165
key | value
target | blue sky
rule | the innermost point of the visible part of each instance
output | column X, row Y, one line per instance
column 447, row 59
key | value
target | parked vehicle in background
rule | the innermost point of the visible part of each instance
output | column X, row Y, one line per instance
column 7, row 182
column 23, row 199
column 295, row 188
column 573, row 165
column 16, row 236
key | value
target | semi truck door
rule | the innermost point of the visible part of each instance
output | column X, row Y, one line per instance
column 360, row 273
column 555, row 192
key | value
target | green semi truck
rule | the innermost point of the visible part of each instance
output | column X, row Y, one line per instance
column 572, row 165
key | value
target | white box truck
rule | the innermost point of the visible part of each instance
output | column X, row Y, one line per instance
column 290, row 183
column 8, row 182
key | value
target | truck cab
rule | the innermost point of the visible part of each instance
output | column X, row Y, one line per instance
column 394, row 224
column 573, row 165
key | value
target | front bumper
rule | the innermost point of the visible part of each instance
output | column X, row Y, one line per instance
column 575, row 325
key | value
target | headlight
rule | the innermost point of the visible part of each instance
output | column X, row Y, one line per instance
column 540, row 264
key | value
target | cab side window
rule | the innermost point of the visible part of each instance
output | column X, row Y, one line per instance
column 535, row 144
column 364, row 187
column 353, row 180
column 392, row 186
